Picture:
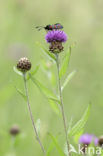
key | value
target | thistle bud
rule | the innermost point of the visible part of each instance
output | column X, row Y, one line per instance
column 24, row 64
column 14, row 130
column 56, row 47
column 100, row 141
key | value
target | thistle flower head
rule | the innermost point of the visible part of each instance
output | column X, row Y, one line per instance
column 24, row 64
column 56, row 35
column 87, row 139
column 55, row 38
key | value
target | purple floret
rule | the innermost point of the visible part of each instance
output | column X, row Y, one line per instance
column 88, row 139
column 96, row 141
column 56, row 35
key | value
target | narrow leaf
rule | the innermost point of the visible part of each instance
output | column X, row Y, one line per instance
column 59, row 149
column 33, row 72
column 48, row 93
column 17, row 71
column 38, row 124
column 55, row 100
column 52, row 56
column 47, row 69
column 65, row 64
column 77, row 136
column 81, row 123
column 54, row 106
column 70, row 125
column 20, row 92
column 51, row 146
column 69, row 77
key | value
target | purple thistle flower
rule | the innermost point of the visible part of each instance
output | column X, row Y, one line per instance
column 56, row 35
column 88, row 139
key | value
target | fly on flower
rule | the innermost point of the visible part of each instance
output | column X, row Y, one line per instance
column 50, row 27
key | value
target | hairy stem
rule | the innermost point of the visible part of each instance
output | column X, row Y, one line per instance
column 31, row 116
column 62, row 105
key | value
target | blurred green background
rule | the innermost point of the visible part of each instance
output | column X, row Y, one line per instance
column 83, row 22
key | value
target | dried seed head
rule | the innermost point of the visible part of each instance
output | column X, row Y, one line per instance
column 14, row 130
column 100, row 141
column 24, row 64
column 56, row 47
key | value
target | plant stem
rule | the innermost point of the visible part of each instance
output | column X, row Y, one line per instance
column 62, row 105
column 31, row 116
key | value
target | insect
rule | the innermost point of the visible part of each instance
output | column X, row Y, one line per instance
column 50, row 27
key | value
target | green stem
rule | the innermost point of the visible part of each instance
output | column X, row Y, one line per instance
column 62, row 105
column 31, row 116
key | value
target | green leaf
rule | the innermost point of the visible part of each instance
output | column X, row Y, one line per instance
column 77, row 136
column 48, row 53
column 51, row 146
column 65, row 64
column 47, row 69
column 55, row 100
column 48, row 93
column 34, row 72
column 81, row 123
column 17, row 71
column 69, row 77
column 54, row 106
column 55, row 141
column 21, row 93
column 70, row 125
column 38, row 125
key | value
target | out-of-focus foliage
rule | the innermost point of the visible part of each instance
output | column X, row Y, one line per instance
column 83, row 22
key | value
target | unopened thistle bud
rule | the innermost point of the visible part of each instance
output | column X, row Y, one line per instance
column 24, row 64
column 100, row 141
column 14, row 130
column 55, row 38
